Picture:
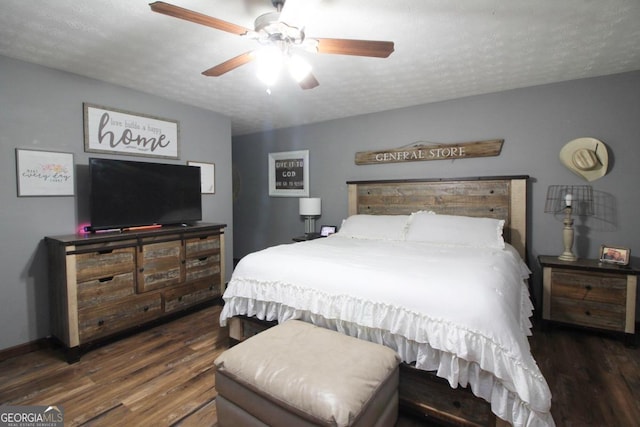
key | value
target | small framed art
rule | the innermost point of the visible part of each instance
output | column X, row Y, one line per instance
column 207, row 176
column 289, row 174
column 44, row 173
column 614, row 254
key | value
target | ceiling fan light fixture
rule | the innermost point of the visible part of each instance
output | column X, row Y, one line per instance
column 279, row 32
column 268, row 65
column 298, row 68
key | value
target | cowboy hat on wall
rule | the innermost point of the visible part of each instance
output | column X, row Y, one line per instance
column 586, row 157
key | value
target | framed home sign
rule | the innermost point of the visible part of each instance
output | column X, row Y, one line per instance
column 289, row 174
column 44, row 173
column 107, row 130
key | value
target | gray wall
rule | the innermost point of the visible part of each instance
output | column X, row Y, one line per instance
column 534, row 122
column 41, row 109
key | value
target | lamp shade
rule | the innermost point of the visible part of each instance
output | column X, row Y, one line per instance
column 310, row 206
column 578, row 197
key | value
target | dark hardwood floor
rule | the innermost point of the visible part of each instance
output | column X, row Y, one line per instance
column 164, row 377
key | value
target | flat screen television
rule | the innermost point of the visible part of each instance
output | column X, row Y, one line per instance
column 131, row 194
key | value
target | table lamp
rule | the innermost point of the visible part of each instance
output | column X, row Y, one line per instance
column 309, row 208
column 576, row 199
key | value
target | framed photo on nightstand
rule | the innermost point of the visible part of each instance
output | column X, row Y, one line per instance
column 614, row 254
column 326, row 230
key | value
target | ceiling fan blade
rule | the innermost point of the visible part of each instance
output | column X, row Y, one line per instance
column 378, row 49
column 309, row 82
column 198, row 18
column 229, row 65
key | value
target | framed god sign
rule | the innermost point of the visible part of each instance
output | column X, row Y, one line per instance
column 289, row 174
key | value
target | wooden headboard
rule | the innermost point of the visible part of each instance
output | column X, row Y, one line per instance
column 500, row 197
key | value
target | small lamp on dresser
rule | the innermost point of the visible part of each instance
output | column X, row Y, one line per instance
column 572, row 199
column 310, row 208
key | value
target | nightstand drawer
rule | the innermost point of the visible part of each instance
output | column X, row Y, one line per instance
column 589, row 286
column 588, row 313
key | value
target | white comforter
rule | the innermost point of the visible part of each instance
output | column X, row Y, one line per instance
column 463, row 312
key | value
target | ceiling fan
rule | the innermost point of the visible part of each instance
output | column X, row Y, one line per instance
column 276, row 35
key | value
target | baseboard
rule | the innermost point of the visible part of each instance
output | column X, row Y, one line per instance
column 22, row 349
column 51, row 342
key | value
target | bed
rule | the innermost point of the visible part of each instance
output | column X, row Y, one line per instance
column 431, row 268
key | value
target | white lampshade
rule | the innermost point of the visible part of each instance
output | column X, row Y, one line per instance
column 310, row 206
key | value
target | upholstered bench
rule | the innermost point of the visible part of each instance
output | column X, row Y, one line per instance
column 297, row 374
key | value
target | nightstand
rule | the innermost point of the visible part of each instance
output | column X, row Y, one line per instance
column 591, row 294
column 306, row 237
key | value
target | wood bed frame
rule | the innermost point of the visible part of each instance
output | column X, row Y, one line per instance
column 422, row 393
column 500, row 197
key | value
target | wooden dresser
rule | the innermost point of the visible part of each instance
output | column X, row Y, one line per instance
column 106, row 283
column 590, row 294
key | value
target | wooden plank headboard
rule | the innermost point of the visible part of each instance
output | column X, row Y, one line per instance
column 500, row 197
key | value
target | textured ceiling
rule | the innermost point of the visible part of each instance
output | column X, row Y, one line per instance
column 444, row 49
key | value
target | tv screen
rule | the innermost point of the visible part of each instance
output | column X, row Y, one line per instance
column 129, row 194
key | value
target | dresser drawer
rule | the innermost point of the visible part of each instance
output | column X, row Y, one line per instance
column 589, row 286
column 203, row 267
column 200, row 246
column 102, row 320
column 159, row 265
column 106, row 289
column 104, row 263
column 184, row 296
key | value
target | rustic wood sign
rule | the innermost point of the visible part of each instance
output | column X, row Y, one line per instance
column 422, row 151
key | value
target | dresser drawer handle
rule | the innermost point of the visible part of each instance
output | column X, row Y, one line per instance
column 105, row 279
column 588, row 313
column 100, row 322
column 203, row 259
column 588, row 287
column 105, row 251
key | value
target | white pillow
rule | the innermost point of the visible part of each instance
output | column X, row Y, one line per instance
column 383, row 227
column 456, row 230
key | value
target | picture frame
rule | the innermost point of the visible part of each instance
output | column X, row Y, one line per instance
column 614, row 255
column 44, row 173
column 207, row 176
column 289, row 174
column 113, row 131
column 327, row 230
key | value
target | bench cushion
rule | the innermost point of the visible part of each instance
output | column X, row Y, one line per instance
column 328, row 376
